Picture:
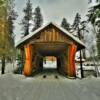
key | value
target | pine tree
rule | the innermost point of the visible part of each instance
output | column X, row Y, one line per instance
column 1, row 2
column 65, row 24
column 38, row 19
column 6, row 32
column 79, row 26
column 77, row 21
column 12, row 15
column 94, row 18
column 76, row 26
column 97, row 25
column 27, row 18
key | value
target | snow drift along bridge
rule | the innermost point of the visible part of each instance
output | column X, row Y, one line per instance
column 49, row 40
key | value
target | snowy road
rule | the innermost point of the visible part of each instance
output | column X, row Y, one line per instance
column 18, row 87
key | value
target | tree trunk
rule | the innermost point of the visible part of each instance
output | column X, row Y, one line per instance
column 3, row 65
column 84, row 53
column 81, row 66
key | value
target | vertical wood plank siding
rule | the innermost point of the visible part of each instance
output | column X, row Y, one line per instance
column 53, row 35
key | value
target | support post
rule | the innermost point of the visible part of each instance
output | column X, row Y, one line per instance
column 71, row 61
column 28, row 60
column 81, row 66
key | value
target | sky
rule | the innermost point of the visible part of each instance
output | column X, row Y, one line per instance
column 52, row 11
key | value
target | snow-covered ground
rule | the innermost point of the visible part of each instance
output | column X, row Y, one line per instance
column 18, row 87
column 87, row 66
column 50, row 64
column 9, row 67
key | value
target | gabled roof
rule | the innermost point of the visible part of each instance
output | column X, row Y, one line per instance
column 41, row 28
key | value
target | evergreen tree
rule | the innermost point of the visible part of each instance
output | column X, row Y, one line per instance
column 38, row 19
column 79, row 26
column 94, row 18
column 6, row 47
column 77, row 21
column 83, row 30
column 65, row 24
column 12, row 15
column 76, row 26
column 1, row 2
column 27, row 18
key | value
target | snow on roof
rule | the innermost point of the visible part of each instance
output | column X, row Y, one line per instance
column 39, row 29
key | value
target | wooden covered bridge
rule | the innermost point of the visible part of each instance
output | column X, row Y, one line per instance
column 50, row 40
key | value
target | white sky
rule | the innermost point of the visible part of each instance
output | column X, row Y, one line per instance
column 52, row 10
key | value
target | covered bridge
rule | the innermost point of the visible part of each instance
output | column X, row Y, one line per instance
column 50, row 40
